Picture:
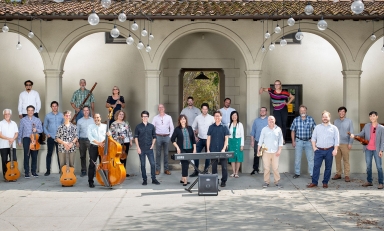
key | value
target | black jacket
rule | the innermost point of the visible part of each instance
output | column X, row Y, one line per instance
column 178, row 137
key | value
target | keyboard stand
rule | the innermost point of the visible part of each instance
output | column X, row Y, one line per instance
column 200, row 172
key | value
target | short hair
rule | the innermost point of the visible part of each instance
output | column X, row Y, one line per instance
column 227, row 98
column 271, row 116
column 30, row 106
column 96, row 114
column 342, row 108
column 302, row 106
column 373, row 112
column 54, row 102
column 85, row 107
column 117, row 114
column 277, row 81
column 189, row 97
column 264, row 108
column 83, row 80
column 204, row 105
column 326, row 112
column 28, row 81
column 9, row 110
column 217, row 112
column 117, row 89
column 144, row 113
column 179, row 119
column 67, row 112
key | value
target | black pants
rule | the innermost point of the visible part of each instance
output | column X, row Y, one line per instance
column 126, row 151
column 224, row 170
column 51, row 144
column 93, row 154
column 5, row 152
column 281, row 117
column 256, row 159
column 40, row 134
column 185, row 163
column 84, row 146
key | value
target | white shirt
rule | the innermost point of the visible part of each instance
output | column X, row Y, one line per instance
column 26, row 99
column 239, row 132
column 226, row 114
column 202, row 124
column 8, row 130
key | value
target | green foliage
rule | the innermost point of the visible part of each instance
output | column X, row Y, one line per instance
column 203, row 91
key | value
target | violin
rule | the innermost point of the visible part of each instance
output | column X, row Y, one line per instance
column 12, row 173
column 34, row 145
column 361, row 140
column 110, row 171
column 68, row 177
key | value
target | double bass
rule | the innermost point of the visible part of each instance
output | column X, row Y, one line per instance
column 12, row 173
column 110, row 171
column 68, row 177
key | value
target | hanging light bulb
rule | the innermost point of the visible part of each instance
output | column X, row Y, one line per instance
column 5, row 28
column 272, row 47
column 267, row 35
column 299, row 35
column 130, row 40
column 263, row 49
column 373, row 37
column 151, row 37
column 148, row 48
column 106, row 3
column 357, row 7
column 277, row 29
column 283, row 42
column 122, row 17
column 144, row 32
column 19, row 46
column 41, row 49
column 140, row 45
column 93, row 19
column 308, row 9
column 134, row 26
column 322, row 24
column 31, row 34
column 115, row 32
column 291, row 21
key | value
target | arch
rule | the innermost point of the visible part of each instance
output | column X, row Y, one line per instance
column 368, row 43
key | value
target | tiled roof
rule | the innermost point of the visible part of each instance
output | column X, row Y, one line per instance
column 179, row 9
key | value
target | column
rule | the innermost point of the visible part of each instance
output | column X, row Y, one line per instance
column 351, row 96
column 53, row 88
column 152, row 91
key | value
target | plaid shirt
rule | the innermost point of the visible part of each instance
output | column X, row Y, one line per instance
column 303, row 128
column 26, row 125
column 79, row 96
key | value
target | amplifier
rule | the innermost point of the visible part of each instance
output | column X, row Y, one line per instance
column 208, row 185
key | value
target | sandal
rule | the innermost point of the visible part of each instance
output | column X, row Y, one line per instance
column 236, row 176
column 232, row 175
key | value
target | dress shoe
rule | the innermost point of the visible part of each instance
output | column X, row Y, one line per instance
column 186, row 183
column 83, row 174
column 347, row 179
column 366, row 184
column 167, row 172
column 157, row 172
column 91, row 185
column 253, row 172
column 311, row 185
column 336, row 177
column 127, row 175
column 144, row 182
column 222, row 184
column 296, row 176
column 154, row 181
column 380, row 186
column 47, row 173
column 325, row 185
column 194, row 174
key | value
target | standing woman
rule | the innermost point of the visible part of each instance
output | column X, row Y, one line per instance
column 184, row 141
column 280, row 98
column 236, row 142
column 122, row 133
column 116, row 101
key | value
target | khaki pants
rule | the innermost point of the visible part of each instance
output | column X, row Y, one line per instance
column 342, row 152
column 63, row 159
column 268, row 160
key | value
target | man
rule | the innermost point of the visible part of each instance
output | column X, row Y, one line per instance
column 8, row 135
column 301, row 133
column 258, row 124
column 272, row 137
column 226, row 111
column 344, row 125
column 200, row 127
column 217, row 141
column 374, row 132
column 78, row 98
column 145, row 138
column 191, row 112
column 96, row 136
column 83, row 141
column 51, row 122
column 164, row 129
column 28, row 125
column 325, row 142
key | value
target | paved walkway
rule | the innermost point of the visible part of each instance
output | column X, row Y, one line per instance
column 42, row 204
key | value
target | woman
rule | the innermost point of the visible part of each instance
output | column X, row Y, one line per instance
column 280, row 98
column 122, row 133
column 116, row 101
column 184, row 141
column 236, row 142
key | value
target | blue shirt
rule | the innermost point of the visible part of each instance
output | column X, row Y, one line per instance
column 257, row 126
column 303, row 128
column 344, row 127
column 97, row 133
column 52, row 122
column 325, row 136
column 217, row 134
column 26, row 125
column 82, row 126
column 226, row 114
column 272, row 138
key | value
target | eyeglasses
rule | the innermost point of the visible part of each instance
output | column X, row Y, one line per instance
column 277, row 84
column 28, row 85
column 374, row 130
column 115, row 89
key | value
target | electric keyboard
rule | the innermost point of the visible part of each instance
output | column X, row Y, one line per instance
column 204, row 155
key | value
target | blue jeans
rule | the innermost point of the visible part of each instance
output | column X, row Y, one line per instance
column 368, row 159
column 27, row 152
column 321, row 155
column 202, row 143
column 307, row 146
column 150, row 156
column 51, row 144
column 162, row 142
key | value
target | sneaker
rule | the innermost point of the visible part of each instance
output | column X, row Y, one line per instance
column 144, row 182
column 296, row 176
column 265, row 185
column 154, row 181
column 35, row 175
column 222, row 184
column 27, row 176
column 47, row 173
column 279, row 185
column 83, row 174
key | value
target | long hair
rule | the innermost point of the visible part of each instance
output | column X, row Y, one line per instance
column 117, row 115
column 179, row 119
column 238, row 118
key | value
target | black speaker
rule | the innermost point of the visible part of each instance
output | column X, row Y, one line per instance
column 208, row 185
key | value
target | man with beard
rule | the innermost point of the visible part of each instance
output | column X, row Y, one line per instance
column 191, row 112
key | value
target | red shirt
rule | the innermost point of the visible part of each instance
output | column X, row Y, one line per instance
column 372, row 141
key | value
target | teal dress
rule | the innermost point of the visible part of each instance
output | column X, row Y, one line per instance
column 234, row 145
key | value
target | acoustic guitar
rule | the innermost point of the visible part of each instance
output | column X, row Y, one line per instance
column 12, row 173
column 68, row 177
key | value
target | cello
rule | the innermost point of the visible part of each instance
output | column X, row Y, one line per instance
column 68, row 177
column 110, row 171
column 12, row 173
column 34, row 145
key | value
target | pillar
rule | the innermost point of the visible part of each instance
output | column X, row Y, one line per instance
column 351, row 96
column 53, row 88
column 152, row 91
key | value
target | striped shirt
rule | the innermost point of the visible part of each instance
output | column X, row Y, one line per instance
column 326, row 136
column 26, row 125
column 79, row 96
column 278, row 99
